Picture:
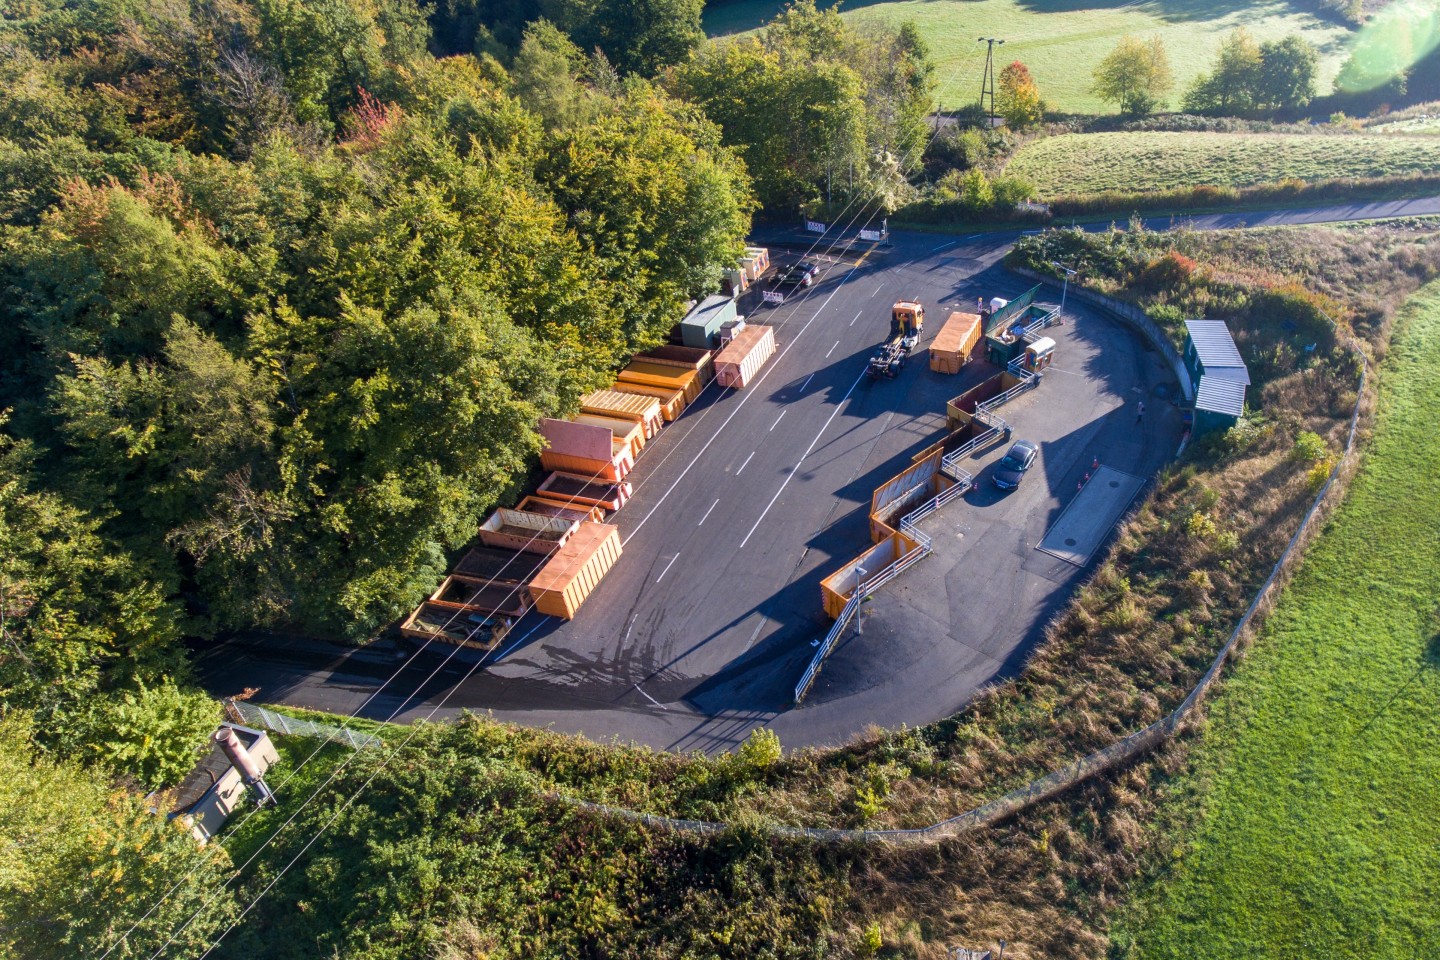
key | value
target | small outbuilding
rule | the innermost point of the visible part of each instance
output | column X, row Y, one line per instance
column 1218, row 373
column 701, row 326
column 1219, row 404
column 1210, row 350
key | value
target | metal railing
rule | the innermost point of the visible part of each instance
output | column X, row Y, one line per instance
column 1077, row 771
column 837, row 628
column 923, row 546
column 950, row 466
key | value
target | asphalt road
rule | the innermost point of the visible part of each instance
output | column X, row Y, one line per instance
column 743, row 505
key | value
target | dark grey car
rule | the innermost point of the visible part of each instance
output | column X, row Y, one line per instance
column 1011, row 470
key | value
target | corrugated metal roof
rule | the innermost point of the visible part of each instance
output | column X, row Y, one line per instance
column 1220, row 395
column 1216, row 348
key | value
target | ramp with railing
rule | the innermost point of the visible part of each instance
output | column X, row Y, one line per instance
column 902, row 489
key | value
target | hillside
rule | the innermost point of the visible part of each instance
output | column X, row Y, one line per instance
column 1096, row 162
column 1062, row 42
column 1315, row 787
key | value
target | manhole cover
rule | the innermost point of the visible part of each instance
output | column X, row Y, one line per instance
column 1069, row 541
column 1114, row 483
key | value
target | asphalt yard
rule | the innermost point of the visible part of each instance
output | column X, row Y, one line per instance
column 746, row 502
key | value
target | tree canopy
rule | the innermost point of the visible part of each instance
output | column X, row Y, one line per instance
column 816, row 108
column 1250, row 77
column 286, row 355
column 1017, row 97
column 1136, row 75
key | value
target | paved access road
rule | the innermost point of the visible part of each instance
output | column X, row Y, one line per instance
column 743, row 505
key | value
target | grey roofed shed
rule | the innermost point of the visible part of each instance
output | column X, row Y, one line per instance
column 1212, row 347
column 702, row 323
column 1219, row 395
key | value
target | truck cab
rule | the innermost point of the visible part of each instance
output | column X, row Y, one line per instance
column 907, row 319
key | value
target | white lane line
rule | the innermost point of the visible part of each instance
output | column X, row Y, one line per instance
column 807, row 382
column 854, row 318
column 872, row 296
column 707, row 513
column 745, row 464
column 782, row 415
column 667, row 568
column 943, row 246
column 650, row 698
column 769, row 368
column 832, row 349
column 756, row 633
column 838, row 407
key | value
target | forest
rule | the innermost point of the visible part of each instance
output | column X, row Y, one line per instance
column 287, row 286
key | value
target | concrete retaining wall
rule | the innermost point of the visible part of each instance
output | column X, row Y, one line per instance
column 1133, row 317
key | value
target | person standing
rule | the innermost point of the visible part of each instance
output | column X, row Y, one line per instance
column 1140, row 411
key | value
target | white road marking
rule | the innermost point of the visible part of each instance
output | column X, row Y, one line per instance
column 854, row 318
column 756, row 633
column 667, row 568
column 872, row 296
column 745, row 464
column 832, row 349
column 943, row 246
column 650, row 698
column 838, row 407
column 772, row 365
column 781, row 417
column 807, row 382
column 707, row 513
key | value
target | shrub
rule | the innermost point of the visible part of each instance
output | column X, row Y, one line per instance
column 1309, row 447
column 1168, row 272
column 761, row 750
column 1200, row 525
column 870, row 941
column 1318, row 473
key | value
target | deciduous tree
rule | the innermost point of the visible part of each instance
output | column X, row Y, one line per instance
column 1136, row 75
column 1017, row 98
column 1232, row 87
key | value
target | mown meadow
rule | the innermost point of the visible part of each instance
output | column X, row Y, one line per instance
column 1078, row 164
column 1062, row 42
column 1314, row 793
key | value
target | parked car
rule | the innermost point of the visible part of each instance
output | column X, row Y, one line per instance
column 796, row 277
column 1011, row 470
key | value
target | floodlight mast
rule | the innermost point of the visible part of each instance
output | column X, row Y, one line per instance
column 987, row 79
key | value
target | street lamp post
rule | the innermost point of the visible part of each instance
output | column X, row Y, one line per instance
column 1065, row 288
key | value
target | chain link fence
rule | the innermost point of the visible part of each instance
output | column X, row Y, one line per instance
column 254, row 715
column 1122, row 751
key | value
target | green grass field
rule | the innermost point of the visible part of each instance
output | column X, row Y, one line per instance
column 1096, row 162
column 1318, row 775
column 1062, row 40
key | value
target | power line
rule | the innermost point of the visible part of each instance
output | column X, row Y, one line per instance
column 405, row 701
column 340, row 768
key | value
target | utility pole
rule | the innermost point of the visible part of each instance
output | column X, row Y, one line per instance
column 987, row 79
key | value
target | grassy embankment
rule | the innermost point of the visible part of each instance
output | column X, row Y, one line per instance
column 455, row 848
column 1062, row 43
column 1099, row 162
column 1317, row 782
